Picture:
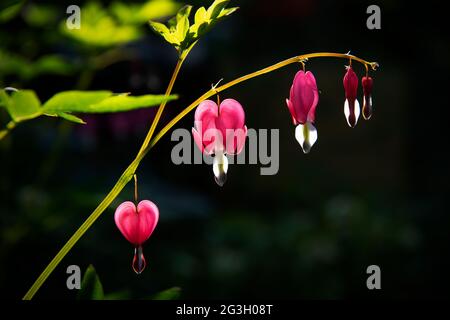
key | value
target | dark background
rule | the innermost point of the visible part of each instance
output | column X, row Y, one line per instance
column 375, row 194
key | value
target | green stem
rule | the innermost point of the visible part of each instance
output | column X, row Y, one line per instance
column 211, row 92
column 11, row 125
column 149, row 143
column 126, row 176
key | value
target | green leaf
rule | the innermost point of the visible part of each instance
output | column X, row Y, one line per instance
column 168, row 294
column 216, row 7
column 140, row 13
column 74, row 101
column 163, row 31
column 91, row 287
column 227, row 12
column 200, row 22
column 70, row 117
column 120, row 103
column 22, row 105
column 183, row 35
column 200, row 16
column 182, row 28
column 184, row 12
column 100, row 102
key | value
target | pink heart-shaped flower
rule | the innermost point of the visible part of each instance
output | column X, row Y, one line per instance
column 220, row 128
column 137, row 224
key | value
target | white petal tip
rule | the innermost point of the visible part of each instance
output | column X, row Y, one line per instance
column 220, row 168
column 352, row 118
column 306, row 135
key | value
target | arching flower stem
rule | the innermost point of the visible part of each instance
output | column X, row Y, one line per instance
column 151, row 141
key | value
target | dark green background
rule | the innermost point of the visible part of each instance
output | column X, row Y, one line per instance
column 375, row 194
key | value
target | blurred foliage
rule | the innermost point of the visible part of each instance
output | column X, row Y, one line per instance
column 132, row 13
column 91, row 287
column 100, row 29
column 41, row 15
column 103, row 28
column 9, row 9
column 169, row 294
column 11, row 64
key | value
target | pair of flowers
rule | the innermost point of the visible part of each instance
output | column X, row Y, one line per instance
column 227, row 119
column 220, row 130
column 304, row 97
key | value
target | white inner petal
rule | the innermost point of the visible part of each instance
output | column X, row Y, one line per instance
column 347, row 111
column 220, row 164
column 306, row 135
column 357, row 111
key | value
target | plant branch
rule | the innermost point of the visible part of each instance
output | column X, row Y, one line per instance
column 148, row 143
column 126, row 176
column 211, row 92
column 11, row 125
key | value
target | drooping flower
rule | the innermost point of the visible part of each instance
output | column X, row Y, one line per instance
column 367, row 84
column 302, row 104
column 137, row 224
column 218, row 131
column 351, row 105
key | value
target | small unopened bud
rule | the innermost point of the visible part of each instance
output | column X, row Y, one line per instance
column 367, row 84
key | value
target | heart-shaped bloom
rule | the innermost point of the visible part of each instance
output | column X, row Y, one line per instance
column 367, row 84
column 137, row 224
column 351, row 105
column 218, row 131
column 302, row 104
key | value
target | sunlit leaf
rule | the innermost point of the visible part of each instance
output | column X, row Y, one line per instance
column 163, row 31
column 74, row 101
column 200, row 16
column 182, row 34
column 91, row 287
column 182, row 28
column 216, row 7
column 184, row 12
column 227, row 12
column 100, row 102
column 21, row 105
column 120, row 103
column 70, row 117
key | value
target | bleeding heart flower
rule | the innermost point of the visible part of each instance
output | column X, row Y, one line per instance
column 137, row 225
column 351, row 105
column 218, row 131
column 302, row 104
column 367, row 84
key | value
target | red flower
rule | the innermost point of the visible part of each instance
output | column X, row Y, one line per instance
column 367, row 84
column 302, row 104
column 351, row 105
